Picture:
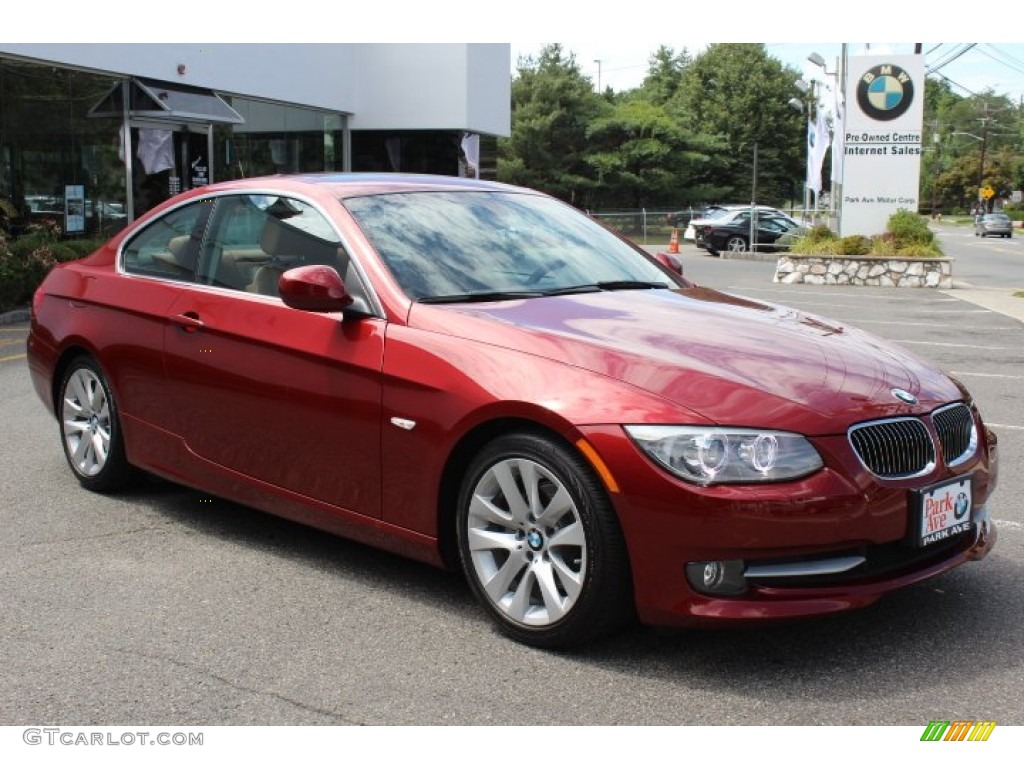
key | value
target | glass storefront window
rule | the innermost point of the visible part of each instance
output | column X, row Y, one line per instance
column 277, row 138
column 49, row 143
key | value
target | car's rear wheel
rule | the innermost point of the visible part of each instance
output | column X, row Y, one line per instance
column 736, row 244
column 540, row 543
column 90, row 428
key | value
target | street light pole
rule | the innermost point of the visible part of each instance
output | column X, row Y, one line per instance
column 598, row 62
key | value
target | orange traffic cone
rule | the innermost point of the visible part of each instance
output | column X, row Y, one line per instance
column 673, row 243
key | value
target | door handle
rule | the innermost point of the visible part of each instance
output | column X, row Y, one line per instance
column 188, row 321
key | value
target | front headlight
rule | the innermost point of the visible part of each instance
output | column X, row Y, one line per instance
column 707, row 455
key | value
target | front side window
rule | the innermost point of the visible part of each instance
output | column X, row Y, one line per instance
column 440, row 244
column 169, row 246
column 254, row 239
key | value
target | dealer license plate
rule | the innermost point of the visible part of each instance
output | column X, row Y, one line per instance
column 943, row 510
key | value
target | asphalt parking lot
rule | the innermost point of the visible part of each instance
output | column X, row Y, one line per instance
column 167, row 606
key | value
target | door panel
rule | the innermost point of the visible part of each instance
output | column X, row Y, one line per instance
column 292, row 398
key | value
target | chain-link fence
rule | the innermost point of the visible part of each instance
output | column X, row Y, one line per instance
column 653, row 226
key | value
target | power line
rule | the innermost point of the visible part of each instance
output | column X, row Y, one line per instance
column 1001, row 57
column 961, row 87
column 951, row 57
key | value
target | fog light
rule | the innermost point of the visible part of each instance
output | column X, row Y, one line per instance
column 717, row 577
column 713, row 574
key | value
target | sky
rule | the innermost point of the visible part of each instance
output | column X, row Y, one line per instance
column 970, row 68
column 622, row 36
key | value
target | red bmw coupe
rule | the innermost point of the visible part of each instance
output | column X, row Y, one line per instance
column 481, row 377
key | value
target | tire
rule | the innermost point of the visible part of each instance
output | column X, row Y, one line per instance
column 90, row 428
column 736, row 244
column 540, row 544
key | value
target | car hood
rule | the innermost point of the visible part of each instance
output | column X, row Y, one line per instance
column 729, row 359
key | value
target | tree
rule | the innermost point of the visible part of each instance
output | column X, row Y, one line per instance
column 741, row 94
column 553, row 104
column 664, row 75
column 642, row 157
column 977, row 141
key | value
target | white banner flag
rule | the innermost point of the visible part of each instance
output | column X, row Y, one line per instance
column 817, row 146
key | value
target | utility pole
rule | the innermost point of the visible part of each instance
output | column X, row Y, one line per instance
column 981, row 168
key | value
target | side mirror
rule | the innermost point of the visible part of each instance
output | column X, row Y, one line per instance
column 673, row 262
column 669, row 260
column 315, row 288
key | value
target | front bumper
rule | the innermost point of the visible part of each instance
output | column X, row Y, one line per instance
column 836, row 540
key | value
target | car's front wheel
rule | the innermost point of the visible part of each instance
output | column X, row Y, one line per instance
column 540, row 543
column 90, row 428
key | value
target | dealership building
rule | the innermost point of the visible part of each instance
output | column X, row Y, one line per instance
column 116, row 128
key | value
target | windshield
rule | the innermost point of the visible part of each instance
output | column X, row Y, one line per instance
column 458, row 244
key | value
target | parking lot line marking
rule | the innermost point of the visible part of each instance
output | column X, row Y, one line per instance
column 12, row 357
column 845, row 294
column 958, row 311
column 1003, row 426
column 986, row 375
column 948, row 344
column 936, row 325
column 796, row 302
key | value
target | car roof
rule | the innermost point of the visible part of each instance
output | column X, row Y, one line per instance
column 344, row 185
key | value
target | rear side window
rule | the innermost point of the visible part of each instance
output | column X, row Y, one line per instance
column 169, row 246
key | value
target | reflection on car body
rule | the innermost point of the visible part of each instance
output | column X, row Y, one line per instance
column 480, row 377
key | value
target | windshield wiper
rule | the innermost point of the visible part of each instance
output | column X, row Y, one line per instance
column 607, row 285
column 589, row 288
column 628, row 285
column 467, row 298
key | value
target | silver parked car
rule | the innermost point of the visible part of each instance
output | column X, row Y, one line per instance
column 993, row 224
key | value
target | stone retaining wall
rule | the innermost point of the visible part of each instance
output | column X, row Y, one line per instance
column 861, row 270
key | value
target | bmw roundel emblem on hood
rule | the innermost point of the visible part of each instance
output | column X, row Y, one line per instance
column 906, row 397
column 885, row 92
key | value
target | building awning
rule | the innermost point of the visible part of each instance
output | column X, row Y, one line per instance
column 153, row 100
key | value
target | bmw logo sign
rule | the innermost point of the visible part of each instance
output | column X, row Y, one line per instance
column 962, row 506
column 903, row 395
column 885, row 92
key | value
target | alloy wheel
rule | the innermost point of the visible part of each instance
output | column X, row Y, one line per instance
column 736, row 244
column 527, row 542
column 85, row 415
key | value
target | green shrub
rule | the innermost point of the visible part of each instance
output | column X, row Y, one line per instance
column 83, row 248
column 854, row 245
column 907, row 235
column 820, row 233
column 909, row 229
column 24, row 263
column 919, row 251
